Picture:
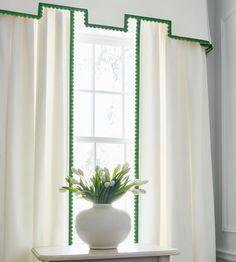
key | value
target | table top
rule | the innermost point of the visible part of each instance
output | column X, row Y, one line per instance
column 82, row 252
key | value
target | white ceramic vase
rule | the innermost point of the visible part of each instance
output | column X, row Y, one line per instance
column 103, row 226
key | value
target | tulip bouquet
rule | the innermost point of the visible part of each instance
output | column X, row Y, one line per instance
column 103, row 187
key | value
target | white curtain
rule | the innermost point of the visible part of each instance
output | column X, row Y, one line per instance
column 175, row 154
column 34, row 79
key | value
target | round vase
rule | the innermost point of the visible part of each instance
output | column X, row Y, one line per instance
column 103, row 226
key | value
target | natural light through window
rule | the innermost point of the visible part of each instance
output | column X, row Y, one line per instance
column 104, row 104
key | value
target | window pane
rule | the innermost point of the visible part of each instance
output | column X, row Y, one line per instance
column 108, row 68
column 83, row 114
column 129, row 116
column 109, row 155
column 84, row 157
column 108, row 115
column 83, row 77
column 129, row 55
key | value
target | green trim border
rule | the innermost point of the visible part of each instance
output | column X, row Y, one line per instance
column 137, row 100
column 41, row 6
column 71, row 123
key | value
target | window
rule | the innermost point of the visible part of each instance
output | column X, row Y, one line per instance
column 104, row 105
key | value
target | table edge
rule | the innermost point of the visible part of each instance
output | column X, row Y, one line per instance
column 167, row 252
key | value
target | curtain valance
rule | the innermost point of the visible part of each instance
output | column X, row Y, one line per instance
column 106, row 16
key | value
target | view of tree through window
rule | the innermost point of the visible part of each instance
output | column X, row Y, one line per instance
column 104, row 104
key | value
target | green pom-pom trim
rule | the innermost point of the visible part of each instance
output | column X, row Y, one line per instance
column 71, row 125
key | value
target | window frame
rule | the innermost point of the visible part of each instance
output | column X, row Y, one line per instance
column 123, row 42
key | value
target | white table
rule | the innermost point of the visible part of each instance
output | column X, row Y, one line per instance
column 124, row 253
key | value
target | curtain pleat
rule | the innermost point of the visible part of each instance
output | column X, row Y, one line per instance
column 17, row 136
column 51, row 127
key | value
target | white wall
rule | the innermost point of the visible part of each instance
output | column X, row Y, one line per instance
column 189, row 16
column 222, row 90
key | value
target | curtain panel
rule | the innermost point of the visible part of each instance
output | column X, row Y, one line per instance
column 175, row 151
column 34, row 73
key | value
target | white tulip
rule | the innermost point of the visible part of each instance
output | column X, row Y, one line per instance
column 107, row 173
column 117, row 168
column 139, row 182
column 103, row 178
column 137, row 191
column 134, row 191
column 97, row 169
column 107, row 184
column 77, row 172
column 125, row 166
column 74, row 181
column 74, row 170
column 112, row 183
column 80, row 172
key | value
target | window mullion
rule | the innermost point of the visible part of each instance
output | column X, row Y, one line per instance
column 93, row 82
column 110, row 140
column 102, row 92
